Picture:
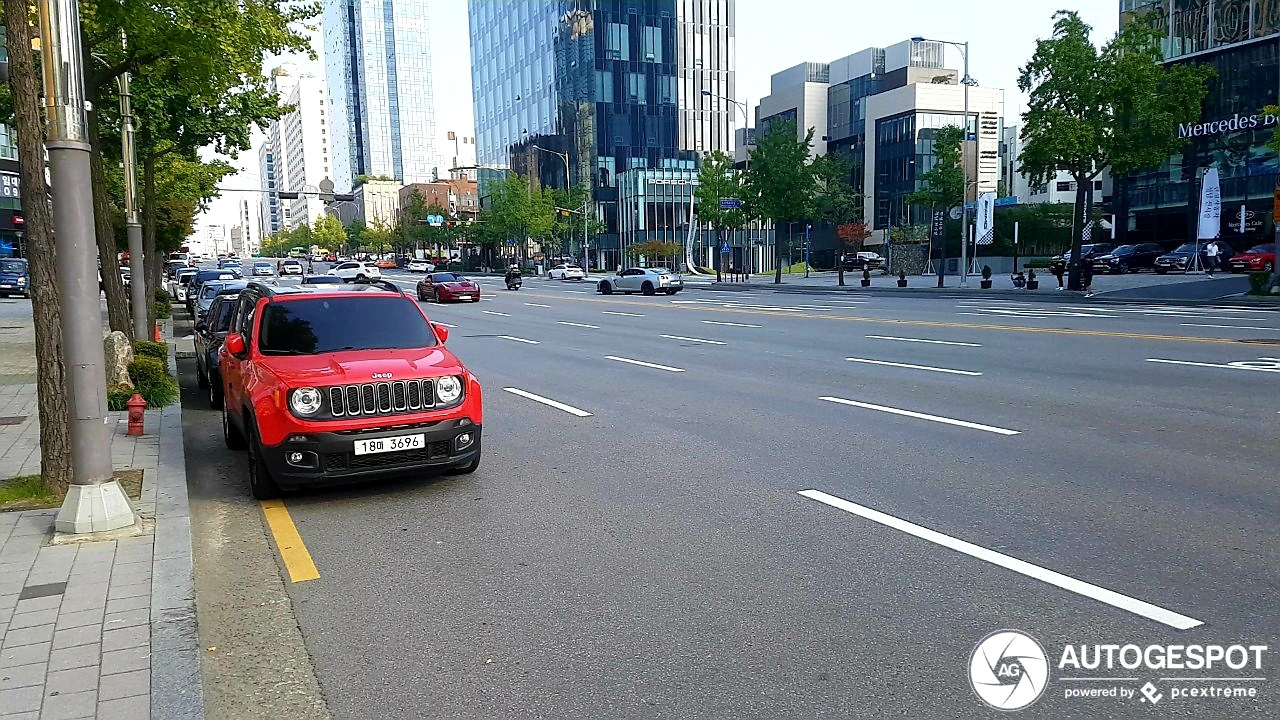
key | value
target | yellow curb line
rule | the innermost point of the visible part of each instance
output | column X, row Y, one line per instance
column 297, row 560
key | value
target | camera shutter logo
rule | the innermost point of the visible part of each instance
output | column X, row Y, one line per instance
column 1008, row 670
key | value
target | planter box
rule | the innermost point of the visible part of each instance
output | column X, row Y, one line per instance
column 986, row 284
column 866, row 283
column 902, row 283
column 1033, row 284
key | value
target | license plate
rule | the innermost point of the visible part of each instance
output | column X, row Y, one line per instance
column 6, row 287
column 390, row 444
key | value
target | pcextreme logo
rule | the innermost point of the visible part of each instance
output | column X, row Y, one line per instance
column 1009, row 670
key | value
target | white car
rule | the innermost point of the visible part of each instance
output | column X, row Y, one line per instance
column 292, row 267
column 178, row 285
column 648, row 281
column 349, row 271
column 421, row 266
column 567, row 272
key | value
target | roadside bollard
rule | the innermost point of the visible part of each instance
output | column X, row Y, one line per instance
column 137, row 414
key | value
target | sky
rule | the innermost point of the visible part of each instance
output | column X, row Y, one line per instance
column 771, row 36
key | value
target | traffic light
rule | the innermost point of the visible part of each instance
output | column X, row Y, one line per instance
column 564, row 213
column 344, row 198
column 287, row 195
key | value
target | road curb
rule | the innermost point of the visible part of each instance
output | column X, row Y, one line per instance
column 176, row 682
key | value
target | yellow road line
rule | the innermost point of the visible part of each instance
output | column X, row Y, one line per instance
column 923, row 323
column 292, row 550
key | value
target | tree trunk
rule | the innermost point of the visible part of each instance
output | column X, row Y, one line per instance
column 717, row 254
column 1074, row 281
column 117, row 297
column 51, row 388
column 149, row 235
column 777, row 255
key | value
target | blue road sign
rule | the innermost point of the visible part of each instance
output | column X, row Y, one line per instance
column 730, row 204
column 724, row 249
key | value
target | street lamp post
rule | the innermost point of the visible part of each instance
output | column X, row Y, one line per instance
column 746, row 163
column 95, row 501
column 133, row 228
column 964, row 161
column 565, row 158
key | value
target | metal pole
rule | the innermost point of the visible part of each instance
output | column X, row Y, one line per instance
column 95, row 501
column 964, row 160
column 133, row 228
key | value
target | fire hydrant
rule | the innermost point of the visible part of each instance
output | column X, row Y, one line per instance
column 137, row 412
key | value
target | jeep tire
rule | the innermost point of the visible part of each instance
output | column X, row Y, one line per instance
column 230, row 435
column 260, row 483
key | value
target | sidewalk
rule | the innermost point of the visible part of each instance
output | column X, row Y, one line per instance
column 103, row 629
column 1138, row 286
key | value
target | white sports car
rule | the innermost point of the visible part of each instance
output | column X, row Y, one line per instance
column 566, row 272
column 648, row 281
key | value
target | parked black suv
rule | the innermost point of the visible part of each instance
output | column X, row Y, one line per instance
column 1128, row 258
column 210, row 332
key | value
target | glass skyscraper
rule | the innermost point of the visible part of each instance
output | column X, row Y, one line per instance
column 616, row 85
column 378, row 67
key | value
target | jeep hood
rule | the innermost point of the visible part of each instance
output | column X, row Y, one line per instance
column 361, row 366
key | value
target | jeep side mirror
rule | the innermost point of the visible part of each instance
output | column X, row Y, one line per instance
column 442, row 332
column 234, row 343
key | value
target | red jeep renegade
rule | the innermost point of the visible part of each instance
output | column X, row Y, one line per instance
column 331, row 385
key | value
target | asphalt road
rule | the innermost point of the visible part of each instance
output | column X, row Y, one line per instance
column 655, row 558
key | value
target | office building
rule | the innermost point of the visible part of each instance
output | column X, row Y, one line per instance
column 613, row 86
column 381, row 106
column 273, row 166
column 880, row 108
column 12, row 222
column 1238, row 39
column 304, row 143
column 377, row 203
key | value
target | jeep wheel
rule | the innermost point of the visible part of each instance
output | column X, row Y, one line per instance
column 230, row 435
column 647, row 288
column 260, row 483
column 606, row 288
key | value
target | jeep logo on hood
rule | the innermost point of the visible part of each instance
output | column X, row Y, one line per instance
column 381, row 376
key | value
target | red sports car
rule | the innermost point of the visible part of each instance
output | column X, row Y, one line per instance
column 1257, row 259
column 443, row 286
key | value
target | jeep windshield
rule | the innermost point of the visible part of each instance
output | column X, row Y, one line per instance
column 309, row 326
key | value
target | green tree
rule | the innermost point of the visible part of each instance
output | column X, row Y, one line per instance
column 1090, row 109
column 780, row 185
column 376, row 238
column 719, row 180
column 834, row 200
column 328, row 232
column 209, row 52
column 355, row 232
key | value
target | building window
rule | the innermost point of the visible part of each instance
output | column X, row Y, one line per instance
column 1066, row 186
column 617, row 42
column 652, row 44
column 1097, row 184
column 636, row 88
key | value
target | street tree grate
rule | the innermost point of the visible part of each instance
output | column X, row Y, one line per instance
column 39, row 591
column 13, row 420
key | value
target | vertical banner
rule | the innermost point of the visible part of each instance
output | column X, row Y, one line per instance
column 986, row 220
column 1086, row 219
column 938, row 230
column 1210, row 207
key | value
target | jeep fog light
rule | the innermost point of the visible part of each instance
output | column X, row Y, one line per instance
column 464, row 441
column 306, row 401
column 448, row 389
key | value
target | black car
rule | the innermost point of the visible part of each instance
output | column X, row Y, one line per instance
column 210, row 332
column 1128, row 258
column 214, row 289
column 1180, row 259
column 1087, row 252
column 202, row 277
column 15, row 277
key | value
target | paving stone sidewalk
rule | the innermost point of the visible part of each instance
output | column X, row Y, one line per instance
column 101, row 629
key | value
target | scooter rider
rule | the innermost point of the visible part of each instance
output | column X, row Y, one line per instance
column 513, row 275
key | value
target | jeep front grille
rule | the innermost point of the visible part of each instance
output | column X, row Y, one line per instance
column 384, row 398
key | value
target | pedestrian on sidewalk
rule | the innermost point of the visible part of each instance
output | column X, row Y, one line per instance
column 1086, row 278
column 1058, row 268
column 1211, row 257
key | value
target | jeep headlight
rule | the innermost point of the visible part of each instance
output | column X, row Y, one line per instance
column 306, row 401
column 448, row 389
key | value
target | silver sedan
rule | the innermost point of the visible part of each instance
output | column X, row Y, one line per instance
column 648, row 281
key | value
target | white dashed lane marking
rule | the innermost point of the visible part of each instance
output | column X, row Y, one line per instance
column 642, row 363
column 548, row 402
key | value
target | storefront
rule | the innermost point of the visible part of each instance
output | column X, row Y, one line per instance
column 1230, row 135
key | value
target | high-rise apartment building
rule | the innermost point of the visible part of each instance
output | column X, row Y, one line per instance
column 295, row 157
column 382, row 109
column 614, row 85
